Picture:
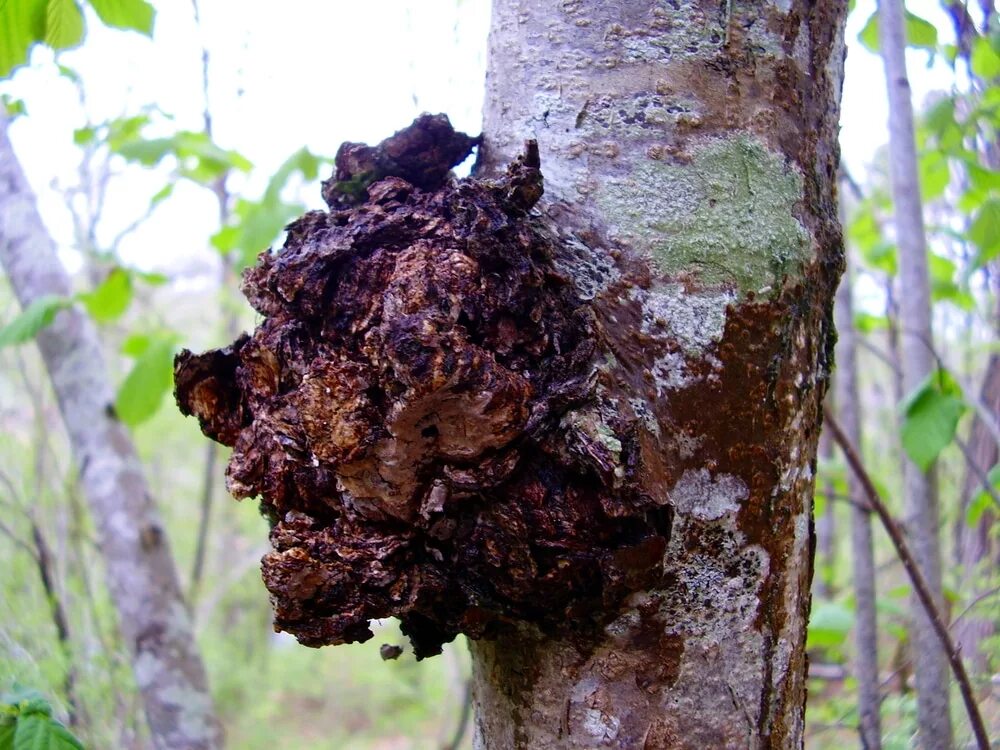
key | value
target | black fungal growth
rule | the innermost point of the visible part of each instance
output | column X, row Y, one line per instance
column 416, row 410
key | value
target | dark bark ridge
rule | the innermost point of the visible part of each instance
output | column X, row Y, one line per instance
column 452, row 415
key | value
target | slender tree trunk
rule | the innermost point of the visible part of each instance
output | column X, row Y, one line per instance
column 863, row 573
column 826, row 524
column 920, row 488
column 701, row 137
column 140, row 570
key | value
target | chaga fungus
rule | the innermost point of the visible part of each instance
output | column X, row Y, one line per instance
column 412, row 411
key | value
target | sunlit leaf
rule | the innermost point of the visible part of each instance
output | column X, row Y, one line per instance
column 135, row 15
column 930, row 417
column 919, row 33
column 34, row 318
column 934, row 174
column 162, row 194
column 150, row 379
column 14, row 108
column 85, row 135
column 63, row 24
column 111, row 298
column 985, row 59
column 22, row 23
column 868, row 323
column 985, row 231
column 148, row 152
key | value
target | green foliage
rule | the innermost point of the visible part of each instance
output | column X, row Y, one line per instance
column 829, row 624
column 198, row 158
column 111, row 298
column 255, row 224
column 920, row 33
column 59, row 25
column 135, row 15
column 930, row 417
column 34, row 318
column 985, row 58
column 983, row 501
column 150, row 379
column 26, row 723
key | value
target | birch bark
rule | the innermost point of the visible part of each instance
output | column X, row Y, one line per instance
column 917, row 359
column 139, row 567
column 700, row 140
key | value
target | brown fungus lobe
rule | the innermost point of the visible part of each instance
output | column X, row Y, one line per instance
column 415, row 411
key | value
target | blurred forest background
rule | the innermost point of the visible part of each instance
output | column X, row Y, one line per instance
column 165, row 160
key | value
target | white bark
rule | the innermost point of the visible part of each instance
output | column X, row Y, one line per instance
column 918, row 361
column 863, row 555
column 701, row 137
column 152, row 616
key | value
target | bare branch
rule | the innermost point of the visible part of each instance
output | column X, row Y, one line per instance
column 916, row 577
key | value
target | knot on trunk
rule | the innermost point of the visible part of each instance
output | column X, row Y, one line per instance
column 416, row 411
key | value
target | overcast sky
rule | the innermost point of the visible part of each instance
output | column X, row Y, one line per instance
column 315, row 73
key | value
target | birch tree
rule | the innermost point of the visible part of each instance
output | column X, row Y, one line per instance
column 578, row 427
column 918, row 362
column 141, row 578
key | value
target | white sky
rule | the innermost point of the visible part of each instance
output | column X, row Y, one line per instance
column 313, row 73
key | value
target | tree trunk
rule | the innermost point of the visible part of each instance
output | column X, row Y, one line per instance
column 918, row 361
column 866, row 624
column 701, row 137
column 140, row 571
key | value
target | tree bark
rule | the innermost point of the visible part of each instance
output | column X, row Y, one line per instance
column 863, row 555
column 918, row 362
column 700, row 137
column 140, row 571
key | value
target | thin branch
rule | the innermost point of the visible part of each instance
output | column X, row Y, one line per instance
column 463, row 718
column 916, row 577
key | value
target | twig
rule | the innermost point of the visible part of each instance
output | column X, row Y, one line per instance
column 463, row 718
column 916, row 577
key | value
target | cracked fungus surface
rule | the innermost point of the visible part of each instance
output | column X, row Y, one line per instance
column 415, row 412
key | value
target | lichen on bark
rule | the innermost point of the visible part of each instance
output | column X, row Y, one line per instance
column 419, row 411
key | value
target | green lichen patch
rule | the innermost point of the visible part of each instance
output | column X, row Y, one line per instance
column 725, row 216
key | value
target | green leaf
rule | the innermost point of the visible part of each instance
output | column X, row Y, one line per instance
column 919, row 33
column 985, row 60
column 983, row 501
column 985, row 232
column 869, row 34
column 22, row 23
column 13, row 107
column 943, row 285
column 63, row 24
column 930, row 417
column 135, row 15
column 868, row 323
column 162, row 194
column 829, row 624
column 85, row 135
column 111, row 298
column 37, row 316
column 136, row 344
column 151, row 377
column 148, row 152
column 934, row 174
column 41, row 732
column 8, row 726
